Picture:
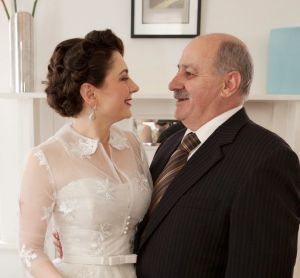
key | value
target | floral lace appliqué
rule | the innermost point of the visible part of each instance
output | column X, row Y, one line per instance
column 119, row 142
column 84, row 147
column 41, row 157
column 85, row 272
column 104, row 231
column 43, row 162
column 47, row 211
column 67, row 208
column 105, row 189
column 142, row 182
column 27, row 255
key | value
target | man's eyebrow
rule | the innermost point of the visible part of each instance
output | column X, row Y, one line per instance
column 186, row 66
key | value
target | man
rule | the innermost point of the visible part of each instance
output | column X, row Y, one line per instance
column 233, row 209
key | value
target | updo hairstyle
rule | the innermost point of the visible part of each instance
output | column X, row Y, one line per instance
column 76, row 61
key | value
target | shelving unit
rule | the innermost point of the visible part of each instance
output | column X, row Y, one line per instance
column 279, row 113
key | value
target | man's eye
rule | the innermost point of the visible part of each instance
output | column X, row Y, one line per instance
column 124, row 78
column 189, row 74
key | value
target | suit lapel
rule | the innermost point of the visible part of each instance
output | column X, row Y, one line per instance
column 205, row 157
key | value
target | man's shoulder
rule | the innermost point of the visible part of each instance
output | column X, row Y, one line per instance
column 260, row 133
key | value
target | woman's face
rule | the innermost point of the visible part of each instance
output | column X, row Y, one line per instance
column 115, row 95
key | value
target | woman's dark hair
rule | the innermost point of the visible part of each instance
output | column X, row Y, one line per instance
column 76, row 61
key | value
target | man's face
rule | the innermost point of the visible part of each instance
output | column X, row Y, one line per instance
column 197, row 85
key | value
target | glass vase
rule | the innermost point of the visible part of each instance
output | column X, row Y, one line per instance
column 21, row 51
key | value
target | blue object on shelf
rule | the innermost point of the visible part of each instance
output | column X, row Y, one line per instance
column 284, row 61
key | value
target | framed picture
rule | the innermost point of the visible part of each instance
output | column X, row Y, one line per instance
column 165, row 18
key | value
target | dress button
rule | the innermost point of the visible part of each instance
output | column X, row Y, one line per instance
column 125, row 232
column 128, row 217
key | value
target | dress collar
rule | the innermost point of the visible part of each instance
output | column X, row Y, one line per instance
column 85, row 146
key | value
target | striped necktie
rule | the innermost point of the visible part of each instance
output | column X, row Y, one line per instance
column 172, row 168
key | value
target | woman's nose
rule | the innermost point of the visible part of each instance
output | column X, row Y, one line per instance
column 133, row 87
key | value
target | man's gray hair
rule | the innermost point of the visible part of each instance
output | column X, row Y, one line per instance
column 234, row 56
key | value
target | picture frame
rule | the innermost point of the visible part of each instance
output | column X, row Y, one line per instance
column 165, row 18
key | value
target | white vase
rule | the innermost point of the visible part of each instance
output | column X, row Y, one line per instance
column 21, row 51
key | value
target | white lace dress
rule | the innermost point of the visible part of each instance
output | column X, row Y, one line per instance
column 94, row 200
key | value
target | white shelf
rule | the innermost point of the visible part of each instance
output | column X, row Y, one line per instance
column 153, row 96
column 251, row 97
column 22, row 95
column 7, row 246
column 41, row 95
column 274, row 98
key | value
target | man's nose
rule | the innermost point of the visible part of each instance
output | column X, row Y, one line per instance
column 175, row 83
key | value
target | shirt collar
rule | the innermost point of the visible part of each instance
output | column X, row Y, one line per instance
column 208, row 128
column 85, row 146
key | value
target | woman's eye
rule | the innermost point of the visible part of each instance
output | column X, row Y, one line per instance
column 124, row 78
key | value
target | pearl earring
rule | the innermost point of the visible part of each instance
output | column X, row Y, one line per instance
column 92, row 115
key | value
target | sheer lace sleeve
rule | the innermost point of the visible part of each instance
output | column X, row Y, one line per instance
column 37, row 199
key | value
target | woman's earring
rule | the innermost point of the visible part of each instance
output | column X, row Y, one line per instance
column 92, row 115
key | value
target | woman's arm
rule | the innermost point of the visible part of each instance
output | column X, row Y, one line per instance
column 37, row 199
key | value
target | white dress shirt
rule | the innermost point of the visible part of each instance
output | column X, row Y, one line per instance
column 207, row 129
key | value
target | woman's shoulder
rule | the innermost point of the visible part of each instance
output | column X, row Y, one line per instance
column 123, row 136
column 46, row 146
column 51, row 147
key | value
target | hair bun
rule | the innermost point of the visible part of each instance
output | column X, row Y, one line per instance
column 98, row 36
column 107, row 39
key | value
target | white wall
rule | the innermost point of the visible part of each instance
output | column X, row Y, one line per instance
column 152, row 62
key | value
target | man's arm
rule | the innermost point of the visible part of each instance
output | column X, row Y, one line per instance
column 264, row 220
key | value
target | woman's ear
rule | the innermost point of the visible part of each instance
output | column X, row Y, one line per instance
column 87, row 91
column 231, row 84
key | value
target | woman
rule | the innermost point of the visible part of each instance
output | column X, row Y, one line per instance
column 91, row 178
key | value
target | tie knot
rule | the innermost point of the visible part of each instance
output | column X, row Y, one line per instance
column 189, row 142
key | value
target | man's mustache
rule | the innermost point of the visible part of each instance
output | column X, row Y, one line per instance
column 180, row 94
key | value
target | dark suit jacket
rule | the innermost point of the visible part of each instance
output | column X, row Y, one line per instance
column 232, row 212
